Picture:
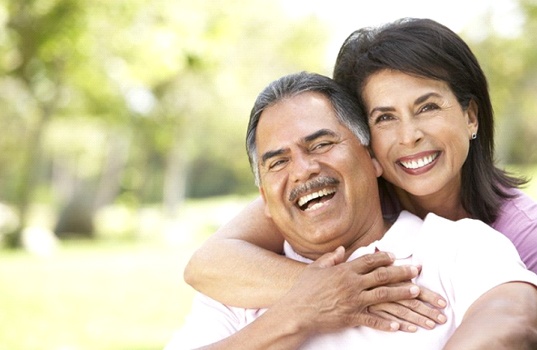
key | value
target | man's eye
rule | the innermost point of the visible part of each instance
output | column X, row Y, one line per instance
column 277, row 164
column 322, row 146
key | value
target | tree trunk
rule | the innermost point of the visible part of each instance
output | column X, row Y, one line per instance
column 175, row 178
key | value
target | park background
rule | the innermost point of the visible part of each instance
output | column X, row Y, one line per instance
column 121, row 146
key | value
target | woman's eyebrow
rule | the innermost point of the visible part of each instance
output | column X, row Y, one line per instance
column 381, row 109
column 419, row 100
column 425, row 97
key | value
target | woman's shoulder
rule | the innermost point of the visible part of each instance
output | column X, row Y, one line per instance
column 517, row 220
column 519, row 206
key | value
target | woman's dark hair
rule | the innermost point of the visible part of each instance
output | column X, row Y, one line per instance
column 425, row 48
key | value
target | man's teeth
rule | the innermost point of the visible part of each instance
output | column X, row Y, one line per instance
column 309, row 197
column 415, row 164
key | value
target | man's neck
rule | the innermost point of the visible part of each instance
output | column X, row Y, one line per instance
column 375, row 232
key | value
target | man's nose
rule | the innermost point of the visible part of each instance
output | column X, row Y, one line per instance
column 303, row 167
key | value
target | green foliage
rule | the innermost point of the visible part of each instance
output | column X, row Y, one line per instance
column 510, row 64
column 147, row 101
column 99, row 93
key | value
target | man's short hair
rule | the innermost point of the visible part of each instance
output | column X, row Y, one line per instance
column 345, row 106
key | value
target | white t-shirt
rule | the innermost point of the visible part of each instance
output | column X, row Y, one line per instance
column 460, row 260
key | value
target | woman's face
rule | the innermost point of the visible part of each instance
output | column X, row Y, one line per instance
column 419, row 132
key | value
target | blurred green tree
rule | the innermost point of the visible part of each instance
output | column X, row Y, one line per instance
column 137, row 101
column 510, row 63
column 36, row 50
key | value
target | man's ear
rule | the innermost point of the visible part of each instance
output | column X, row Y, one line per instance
column 376, row 166
column 262, row 193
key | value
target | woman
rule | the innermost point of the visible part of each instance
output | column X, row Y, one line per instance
column 429, row 110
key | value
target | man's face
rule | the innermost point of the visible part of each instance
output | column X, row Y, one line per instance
column 318, row 182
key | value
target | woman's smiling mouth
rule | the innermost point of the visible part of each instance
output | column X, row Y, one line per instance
column 417, row 163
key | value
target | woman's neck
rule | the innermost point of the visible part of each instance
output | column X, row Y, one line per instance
column 448, row 205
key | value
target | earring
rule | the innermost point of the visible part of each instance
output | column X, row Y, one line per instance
column 474, row 136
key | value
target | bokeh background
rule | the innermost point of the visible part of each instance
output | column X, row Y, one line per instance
column 121, row 141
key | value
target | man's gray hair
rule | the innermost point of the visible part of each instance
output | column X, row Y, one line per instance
column 345, row 106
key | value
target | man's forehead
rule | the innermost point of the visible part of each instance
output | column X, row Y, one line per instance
column 310, row 107
column 296, row 121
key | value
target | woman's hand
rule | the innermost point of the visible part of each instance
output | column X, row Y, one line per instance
column 331, row 294
column 423, row 311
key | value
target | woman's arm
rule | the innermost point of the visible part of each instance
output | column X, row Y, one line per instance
column 503, row 318
column 241, row 265
column 307, row 309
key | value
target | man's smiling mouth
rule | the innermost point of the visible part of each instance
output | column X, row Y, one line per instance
column 314, row 200
column 312, row 194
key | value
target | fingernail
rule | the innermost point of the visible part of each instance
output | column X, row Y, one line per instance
column 441, row 318
column 442, row 302
column 414, row 290
column 430, row 323
column 414, row 270
column 394, row 326
column 412, row 328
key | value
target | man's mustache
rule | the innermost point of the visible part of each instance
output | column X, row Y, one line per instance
column 314, row 184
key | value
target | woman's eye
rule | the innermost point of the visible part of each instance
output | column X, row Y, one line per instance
column 429, row 107
column 382, row 118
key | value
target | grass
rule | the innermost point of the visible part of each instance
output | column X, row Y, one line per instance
column 90, row 296
column 105, row 294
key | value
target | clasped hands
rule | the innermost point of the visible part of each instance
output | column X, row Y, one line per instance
column 369, row 291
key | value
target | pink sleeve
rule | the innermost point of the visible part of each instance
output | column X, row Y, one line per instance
column 517, row 220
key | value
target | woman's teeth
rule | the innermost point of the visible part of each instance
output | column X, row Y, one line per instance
column 415, row 164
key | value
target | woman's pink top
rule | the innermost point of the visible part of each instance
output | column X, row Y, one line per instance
column 517, row 220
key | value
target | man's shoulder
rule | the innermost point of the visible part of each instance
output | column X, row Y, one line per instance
column 433, row 219
column 438, row 225
column 470, row 232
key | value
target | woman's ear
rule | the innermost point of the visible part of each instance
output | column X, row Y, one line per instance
column 472, row 113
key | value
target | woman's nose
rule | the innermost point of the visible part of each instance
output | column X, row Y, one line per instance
column 410, row 133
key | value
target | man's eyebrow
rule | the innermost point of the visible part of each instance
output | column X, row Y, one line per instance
column 320, row 133
column 309, row 138
column 270, row 154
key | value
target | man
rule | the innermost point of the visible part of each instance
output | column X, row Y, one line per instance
column 308, row 150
